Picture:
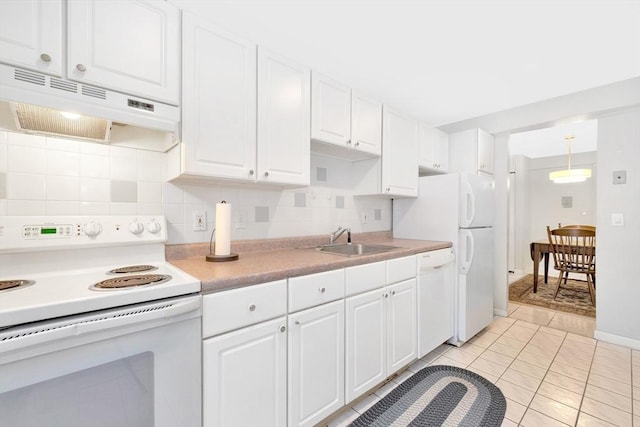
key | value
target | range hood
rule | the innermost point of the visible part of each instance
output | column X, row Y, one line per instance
column 43, row 104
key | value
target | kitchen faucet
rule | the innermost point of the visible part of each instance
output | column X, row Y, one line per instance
column 339, row 232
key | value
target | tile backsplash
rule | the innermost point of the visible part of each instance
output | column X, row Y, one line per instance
column 53, row 176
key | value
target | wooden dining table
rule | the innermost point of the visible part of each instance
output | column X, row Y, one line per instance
column 540, row 249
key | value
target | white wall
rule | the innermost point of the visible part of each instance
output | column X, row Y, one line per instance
column 618, row 248
column 52, row 176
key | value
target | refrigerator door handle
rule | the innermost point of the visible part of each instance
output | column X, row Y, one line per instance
column 468, row 249
column 469, row 204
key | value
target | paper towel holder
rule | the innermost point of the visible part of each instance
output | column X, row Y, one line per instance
column 219, row 258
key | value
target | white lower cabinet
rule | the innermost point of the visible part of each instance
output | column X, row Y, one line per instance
column 366, row 342
column 402, row 332
column 316, row 363
column 245, row 376
column 381, row 335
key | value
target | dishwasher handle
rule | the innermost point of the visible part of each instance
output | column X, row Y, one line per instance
column 435, row 259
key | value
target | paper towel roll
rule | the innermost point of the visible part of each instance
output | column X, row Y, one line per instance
column 223, row 229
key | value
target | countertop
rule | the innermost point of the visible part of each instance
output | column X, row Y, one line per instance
column 260, row 266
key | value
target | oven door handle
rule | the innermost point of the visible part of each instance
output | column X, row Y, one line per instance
column 133, row 317
column 140, row 315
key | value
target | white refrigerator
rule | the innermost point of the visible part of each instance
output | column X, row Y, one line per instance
column 457, row 207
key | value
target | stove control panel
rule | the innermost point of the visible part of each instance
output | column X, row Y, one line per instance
column 18, row 233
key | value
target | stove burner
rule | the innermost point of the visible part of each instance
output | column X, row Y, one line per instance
column 14, row 284
column 132, row 269
column 130, row 281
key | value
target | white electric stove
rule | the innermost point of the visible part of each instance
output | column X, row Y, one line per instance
column 89, row 306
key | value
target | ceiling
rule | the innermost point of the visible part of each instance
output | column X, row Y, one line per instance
column 551, row 141
column 445, row 61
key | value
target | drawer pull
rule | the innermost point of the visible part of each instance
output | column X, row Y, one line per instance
column 297, row 322
column 81, row 68
column 252, row 307
column 322, row 290
column 45, row 57
column 283, row 328
column 386, row 295
column 393, row 292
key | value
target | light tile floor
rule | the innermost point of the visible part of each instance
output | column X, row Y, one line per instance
column 548, row 368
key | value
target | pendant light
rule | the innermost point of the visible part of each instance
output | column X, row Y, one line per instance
column 569, row 175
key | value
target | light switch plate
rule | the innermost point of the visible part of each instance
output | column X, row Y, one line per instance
column 617, row 219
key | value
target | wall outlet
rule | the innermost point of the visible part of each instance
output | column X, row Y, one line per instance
column 242, row 218
column 199, row 221
column 365, row 217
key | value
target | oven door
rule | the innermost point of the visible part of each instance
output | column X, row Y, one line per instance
column 135, row 366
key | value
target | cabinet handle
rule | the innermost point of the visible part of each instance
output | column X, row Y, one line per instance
column 252, row 307
column 266, row 174
column 296, row 322
column 393, row 292
column 386, row 295
column 357, row 143
column 283, row 328
column 348, row 142
column 45, row 58
column 388, row 189
column 322, row 290
column 81, row 68
column 251, row 172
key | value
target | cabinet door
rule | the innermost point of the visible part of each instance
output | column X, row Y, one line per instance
column 283, row 120
column 127, row 46
column 244, row 376
column 401, row 323
column 443, row 150
column 330, row 111
column 399, row 154
column 427, row 148
column 366, row 342
column 316, row 363
column 218, row 102
column 485, row 152
column 366, row 124
column 31, row 34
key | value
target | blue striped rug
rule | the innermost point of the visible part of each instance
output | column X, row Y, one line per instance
column 439, row 396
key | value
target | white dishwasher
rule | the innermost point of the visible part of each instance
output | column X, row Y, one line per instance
column 436, row 286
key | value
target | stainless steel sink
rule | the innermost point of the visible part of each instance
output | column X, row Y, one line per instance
column 354, row 249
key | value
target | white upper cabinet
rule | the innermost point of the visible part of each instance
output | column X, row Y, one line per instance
column 31, row 34
column 399, row 154
column 218, row 102
column 366, row 124
column 330, row 111
column 433, row 150
column 471, row 151
column 344, row 123
column 127, row 46
column 283, row 120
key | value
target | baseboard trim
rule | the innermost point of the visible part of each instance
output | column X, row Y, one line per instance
column 617, row 339
column 499, row 312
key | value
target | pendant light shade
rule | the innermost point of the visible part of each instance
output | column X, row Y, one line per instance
column 569, row 175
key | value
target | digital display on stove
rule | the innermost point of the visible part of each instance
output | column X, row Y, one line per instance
column 48, row 230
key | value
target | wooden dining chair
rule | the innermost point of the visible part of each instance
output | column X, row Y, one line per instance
column 574, row 251
column 586, row 227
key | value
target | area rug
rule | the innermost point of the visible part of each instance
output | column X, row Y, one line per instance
column 438, row 396
column 574, row 300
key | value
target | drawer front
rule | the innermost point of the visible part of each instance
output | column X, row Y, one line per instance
column 228, row 310
column 315, row 289
column 401, row 269
column 366, row 277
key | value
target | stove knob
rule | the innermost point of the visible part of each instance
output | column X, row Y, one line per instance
column 154, row 227
column 136, row 227
column 92, row 229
